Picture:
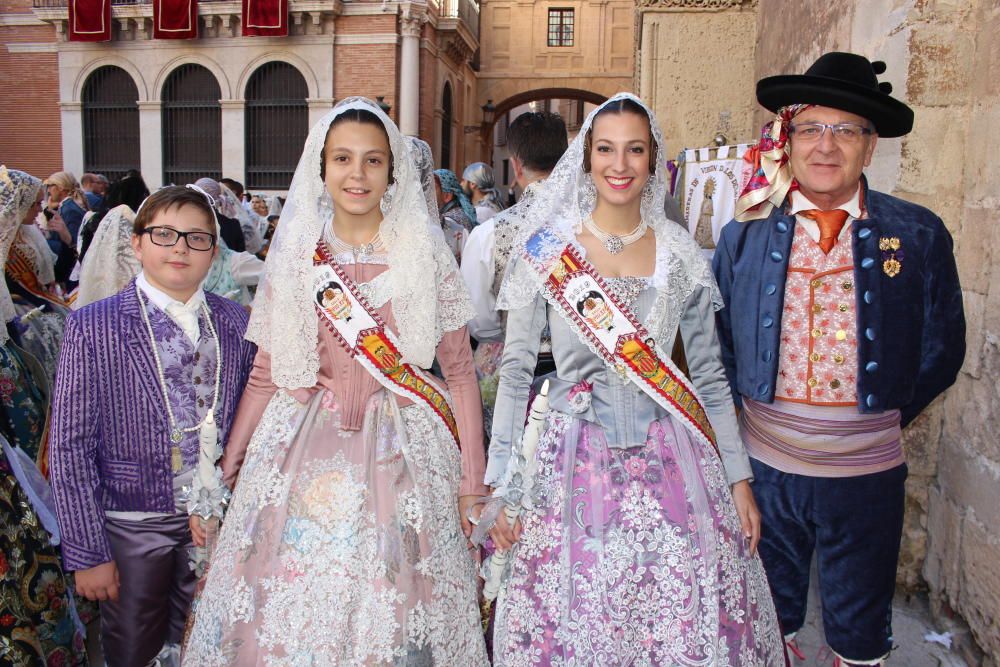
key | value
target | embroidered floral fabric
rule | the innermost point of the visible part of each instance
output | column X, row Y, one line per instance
column 633, row 557
column 644, row 541
column 338, row 548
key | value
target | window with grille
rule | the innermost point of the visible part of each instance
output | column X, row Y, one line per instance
column 110, row 122
column 446, row 127
column 192, row 125
column 277, row 123
column 560, row 27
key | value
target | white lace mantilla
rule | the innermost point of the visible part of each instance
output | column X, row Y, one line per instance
column 17, row 193
column 427, row 293
column 568, row 196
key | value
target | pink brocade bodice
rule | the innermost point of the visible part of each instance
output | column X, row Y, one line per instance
column 352, row 385
column 818, row 359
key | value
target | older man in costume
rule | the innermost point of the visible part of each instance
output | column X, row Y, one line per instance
column 843, row 321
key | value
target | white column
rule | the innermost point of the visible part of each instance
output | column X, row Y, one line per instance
column 151, row 143
column 318, row 106
column 71, row 115
column 233, row 139
column 411, row 25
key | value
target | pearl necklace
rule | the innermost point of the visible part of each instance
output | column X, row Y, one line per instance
column 374, row 244
column 207, row 425
column 613, row 243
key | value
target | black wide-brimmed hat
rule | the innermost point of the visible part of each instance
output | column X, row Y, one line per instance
column 844, row 81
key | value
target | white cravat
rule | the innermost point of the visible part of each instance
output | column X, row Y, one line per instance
column 186, row 318
column 184, row 315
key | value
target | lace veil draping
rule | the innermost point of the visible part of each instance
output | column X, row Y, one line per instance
column 568, row 196
column 18, row 191
column 110, row 262
column 31, row 242
column 427, row 293
column 423, row 160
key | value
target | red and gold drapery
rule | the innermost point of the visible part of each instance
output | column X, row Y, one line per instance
column 265, row 18
column 175, row 19
column 89, row 20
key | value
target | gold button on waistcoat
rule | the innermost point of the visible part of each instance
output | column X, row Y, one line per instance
column 812, row 382
column 816, row 283
column 842, row 307
column 838, row 358
column 816, row 333
column 834, row 384
column 841, row 334
column 815, row 356
column 847, row 285
column 817, row 308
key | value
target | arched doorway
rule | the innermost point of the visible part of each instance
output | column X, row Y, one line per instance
column 277, row 123
column 110, row 122
column 192, row 125
column 570, row 103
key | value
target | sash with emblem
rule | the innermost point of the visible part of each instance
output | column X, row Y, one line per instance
column 365, row 335
column 573, row 287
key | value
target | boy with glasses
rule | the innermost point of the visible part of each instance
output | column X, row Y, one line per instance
column 147, row 378
column 843, row 321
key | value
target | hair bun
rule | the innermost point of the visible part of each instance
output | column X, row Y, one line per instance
column 879, row 66
column 885, row 87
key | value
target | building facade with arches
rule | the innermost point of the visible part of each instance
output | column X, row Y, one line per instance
column 228, row 105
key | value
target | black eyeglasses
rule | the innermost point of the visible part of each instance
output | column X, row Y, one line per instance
column 168, row 237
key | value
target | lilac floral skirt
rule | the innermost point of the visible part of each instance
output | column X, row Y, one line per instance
column 633, row 557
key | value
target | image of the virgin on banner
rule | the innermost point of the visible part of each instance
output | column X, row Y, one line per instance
column 89, row 20
column 712, row 180
column 175, row 19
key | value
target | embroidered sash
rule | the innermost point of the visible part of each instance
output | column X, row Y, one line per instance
column 360, row 329
column 573, row 287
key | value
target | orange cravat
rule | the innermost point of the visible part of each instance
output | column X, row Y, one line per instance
column 830, row 223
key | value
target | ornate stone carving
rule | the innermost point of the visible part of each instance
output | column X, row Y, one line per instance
column 411, row 21
column 695, row 4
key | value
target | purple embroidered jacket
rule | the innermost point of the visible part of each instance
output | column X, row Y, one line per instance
column 110, row 435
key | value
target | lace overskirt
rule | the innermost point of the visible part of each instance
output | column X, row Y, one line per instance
column 341, row 547
column 633, row 557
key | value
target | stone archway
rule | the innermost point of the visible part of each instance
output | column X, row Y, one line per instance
column 518, row 98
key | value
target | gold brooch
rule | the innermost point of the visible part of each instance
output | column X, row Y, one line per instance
column 892, row 255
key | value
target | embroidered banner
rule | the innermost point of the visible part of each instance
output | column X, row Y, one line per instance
column 265, row 18
column 89, row 20
column 175, row 19
column 362, row 332
column 713, row 179
column 573, row 287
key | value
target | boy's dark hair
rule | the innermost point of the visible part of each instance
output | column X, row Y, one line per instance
column 355, row 116
column 233, row 185
column 537, row 139
column 172, row 196
column 619, row 107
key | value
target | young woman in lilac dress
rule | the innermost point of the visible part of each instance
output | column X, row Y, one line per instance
column 638, row 545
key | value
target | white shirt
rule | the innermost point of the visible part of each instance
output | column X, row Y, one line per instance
column 184, row 315
column 484, row 212
column 478, row 272
column 800, row 202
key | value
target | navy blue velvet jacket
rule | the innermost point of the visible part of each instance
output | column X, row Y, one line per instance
column 911, row 327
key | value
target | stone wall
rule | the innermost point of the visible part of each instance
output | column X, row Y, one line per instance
column 696, row 69
column 943, row 59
